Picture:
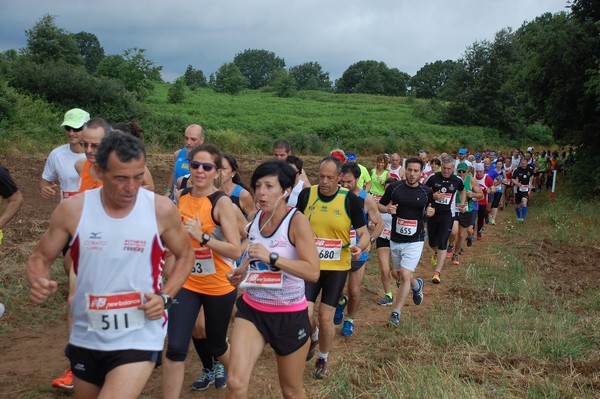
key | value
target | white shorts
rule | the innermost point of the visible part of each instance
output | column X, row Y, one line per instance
column 406, row 254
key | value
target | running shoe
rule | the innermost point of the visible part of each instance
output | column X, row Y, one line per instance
column 492, row 221
column 418, row 294
column 394, row 320
column 205, row 378
column 348, row 328
column 479, row 237
column 455, row 260
column 449, row 251
column 320, row 368
column 436, row 279
column 1, row 310
column 462, row 250
column 434, row 259
column 338, row 317
column 311, row 349
column 470, row 241
column 64, row 382
column 220, row 375
column 385, row 301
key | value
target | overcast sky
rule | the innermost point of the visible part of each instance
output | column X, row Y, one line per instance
column 405, row 34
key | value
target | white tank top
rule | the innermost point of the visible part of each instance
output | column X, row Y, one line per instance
column 116, row 261
column 290, row 297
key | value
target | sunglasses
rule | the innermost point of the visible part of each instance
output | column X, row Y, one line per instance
column 79, row 129
column 462, row 171
column 85, row 146
column 206, row 166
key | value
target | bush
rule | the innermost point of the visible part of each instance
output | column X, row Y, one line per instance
column 177, row 92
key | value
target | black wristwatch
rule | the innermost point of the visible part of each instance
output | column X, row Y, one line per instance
column 205, row 238
column 168, row 300
column 273, row 257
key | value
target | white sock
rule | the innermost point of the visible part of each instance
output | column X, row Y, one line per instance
column 323, row 355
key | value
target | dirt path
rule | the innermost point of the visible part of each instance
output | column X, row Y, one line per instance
column 32, row 358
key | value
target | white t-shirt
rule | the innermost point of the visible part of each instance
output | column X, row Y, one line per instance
column 459, row 161
column 61, row 165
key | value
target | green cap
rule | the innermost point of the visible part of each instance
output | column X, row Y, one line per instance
column 462, row 167
column 75, row 118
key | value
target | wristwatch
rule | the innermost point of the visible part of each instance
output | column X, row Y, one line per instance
column 273, row 257
column 372, row 239
column 168, row 300
column 205, row 238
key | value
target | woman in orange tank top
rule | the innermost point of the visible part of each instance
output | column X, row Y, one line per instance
column 209, row 218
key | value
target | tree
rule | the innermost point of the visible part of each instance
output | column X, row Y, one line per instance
column 310, row 76
column 176, row 93
column 194, row 78
column 430, row 80
column 46, row 42
column 282, row 83
column 133, row 69
column 257, row 66
column 90, row 49
column 229, row 79
column 372, row 77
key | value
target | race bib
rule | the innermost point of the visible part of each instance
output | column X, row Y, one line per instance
column 115, row 312
column 204, row 263
column 263, row 279
column 445, row 200
column 406, row 227
column 329, row 248
column 376, row 197
column 353, row 240
column 524, row 188
column 385, row 234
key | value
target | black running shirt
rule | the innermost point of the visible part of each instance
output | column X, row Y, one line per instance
column 448, row 187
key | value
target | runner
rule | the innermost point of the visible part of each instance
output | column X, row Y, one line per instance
column 507, row 184
column 395, row 167
column 409, row 202
column 486, row 185
column 348, row 179
column 331, row 211
column 208, row 215
column 464, row 220
column 194, row 136
column 521, row 178
column 60, row 166
column 283, row 248
column 462, row 157
column 93, row 132
column 379, row 175
column 383, row 253
column 364, row 181
column 281, row 150
column 497, row 176
column 231, row 184
column 116, row 234
column 445, row 185
column 11, row 194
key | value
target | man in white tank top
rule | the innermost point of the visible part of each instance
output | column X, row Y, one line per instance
column 119, row 234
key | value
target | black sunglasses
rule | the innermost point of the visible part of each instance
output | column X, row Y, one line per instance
column 207, row 166
column 79, row 129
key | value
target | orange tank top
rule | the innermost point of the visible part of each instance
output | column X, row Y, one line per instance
column 209, row 275
column 87, row 182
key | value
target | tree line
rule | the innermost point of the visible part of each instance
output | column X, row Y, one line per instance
column 545, row 73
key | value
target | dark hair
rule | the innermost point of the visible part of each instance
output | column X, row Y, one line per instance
column 297, row 162
column 132, row 128
column 282, row 144
column 284, row 172
column 95, row 123
column 435, row 161
column 352, row 168
column 331, row 158
column 211, row 149
column 125, row 146
column 414, row 160
column 234, row 166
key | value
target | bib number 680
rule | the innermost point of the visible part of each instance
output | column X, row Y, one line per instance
column 323, row 254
